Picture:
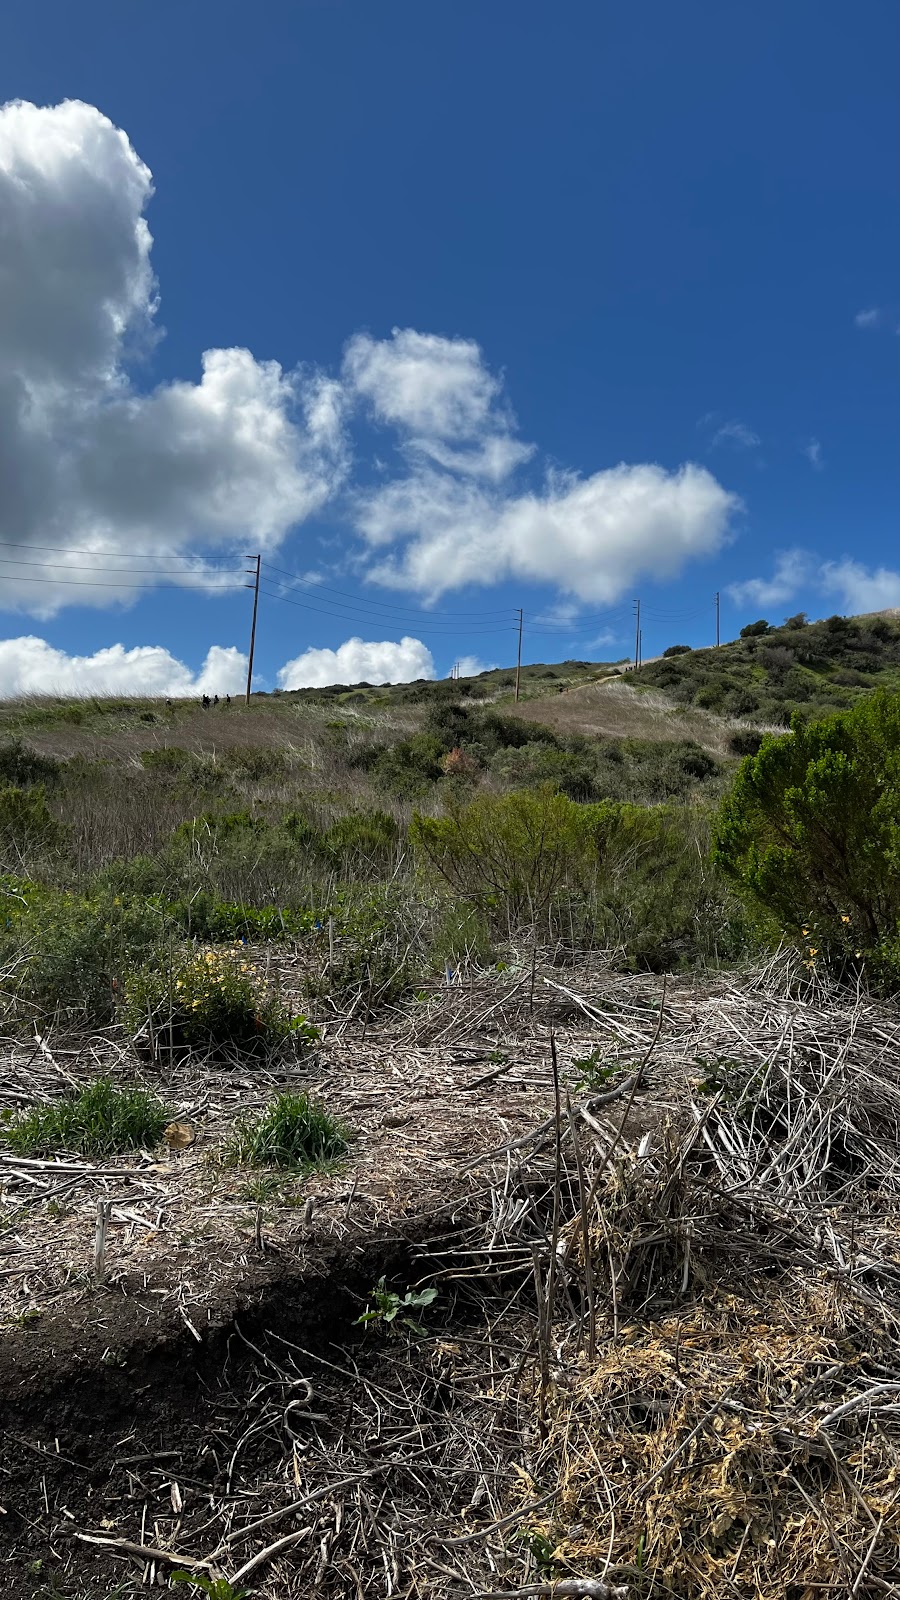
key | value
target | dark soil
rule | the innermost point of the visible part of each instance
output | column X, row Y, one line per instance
column 102, row 1409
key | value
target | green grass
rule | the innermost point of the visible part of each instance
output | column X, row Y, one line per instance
column 99, row 1121
column 295, row 1132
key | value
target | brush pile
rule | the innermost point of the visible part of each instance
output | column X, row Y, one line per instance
column 714, row 1395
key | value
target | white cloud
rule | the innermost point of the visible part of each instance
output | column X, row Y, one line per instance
column 31, row 666
column 359, row 661
column 860, row 589
column 590, row 537
column 441, row 396
column 869, row 318
column 86, row 460
column 470, row 666
column 793, row 569
column 736, row 433
column 813, row 454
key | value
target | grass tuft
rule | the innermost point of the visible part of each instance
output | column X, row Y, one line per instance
column 101, row 1120
column 294, row 1131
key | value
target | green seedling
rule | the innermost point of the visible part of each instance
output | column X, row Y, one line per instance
column 390, row 1309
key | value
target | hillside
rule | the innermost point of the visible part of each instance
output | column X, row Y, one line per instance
column 771, row 672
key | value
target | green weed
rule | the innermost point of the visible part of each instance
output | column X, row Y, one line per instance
column 390, row 1309
column 100, row 1120
column 294, row 1132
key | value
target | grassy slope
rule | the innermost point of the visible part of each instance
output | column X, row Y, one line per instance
column 816, row 668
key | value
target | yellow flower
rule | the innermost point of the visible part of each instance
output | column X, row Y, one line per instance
column 196, row 1005
column 812, row 951
column 805, row 932
column 845, row 919
column 857, row 953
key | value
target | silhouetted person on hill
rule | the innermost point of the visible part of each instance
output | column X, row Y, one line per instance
column 205, row 702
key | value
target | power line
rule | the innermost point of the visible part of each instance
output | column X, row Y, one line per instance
column 71, row 566
column 133, row 555
column 363, row 600
column 87, row 583
column 347, row 615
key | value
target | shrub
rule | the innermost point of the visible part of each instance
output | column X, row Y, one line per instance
column 508, row 854
column 745, row 742
column 211, row 1001
column 202, row 916
column 361, row 839
column 22, row 766
column 677, row 650
column 371, row 963
column 67, row 954
column 755, row 630
column 26, row 823
column 100, row 1120
column 294, row 1131
column 811, row 832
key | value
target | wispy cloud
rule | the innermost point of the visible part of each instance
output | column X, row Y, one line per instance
column 793, row 568
column 813, row 454
column 729, row 431
column 736, row 432
column 870, row 318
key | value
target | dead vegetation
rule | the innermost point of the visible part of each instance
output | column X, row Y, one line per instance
column 662, row 1359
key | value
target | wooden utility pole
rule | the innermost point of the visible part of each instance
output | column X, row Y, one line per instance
column 519, row 656
column 637, row 634
column 717, row 619
column 254, row 574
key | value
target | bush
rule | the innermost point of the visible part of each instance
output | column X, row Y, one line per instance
column 202, row 916
column 677, row 650
column 361, row 840
column 22, row 766
column 294, row 1132
column 510, row 855
column 811, row 833
column 371, row 963
column 100, row 1120
column 755, row 630
column 67, row 954
column 26, row 824
column 213, row 1001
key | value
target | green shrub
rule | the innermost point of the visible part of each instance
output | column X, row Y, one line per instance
column 67, row 954
column 202, row 916
column 361, row 840
column 22, row 766
column 213, row 1001
column 294, row 1131
column 811, row 833
column 510, row 855
column 100, row 1120
column 755, row 630
column 371, row 952
column 409, row 767
column 26, row 823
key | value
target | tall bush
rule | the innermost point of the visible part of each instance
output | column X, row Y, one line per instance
column 810, row 833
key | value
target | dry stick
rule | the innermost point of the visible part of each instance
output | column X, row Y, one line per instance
column 503, row 1522
column 585, row 1588
column 104, row 1207
column 146, row 1552
column 585, row 1239
column 262, row 1556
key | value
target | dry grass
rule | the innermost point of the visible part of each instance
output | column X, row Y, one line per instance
column 615, row 710
column 672, row 1367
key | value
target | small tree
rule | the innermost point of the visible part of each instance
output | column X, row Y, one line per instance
column 755, row 630
column 811, row 833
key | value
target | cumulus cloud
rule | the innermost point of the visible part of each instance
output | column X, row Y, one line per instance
column 439, row 393
column 860, row 588
column 470, row 666
column 590, row 537
column 31, row 666
column 793, row 569
column 359, row 661
column 87, row 461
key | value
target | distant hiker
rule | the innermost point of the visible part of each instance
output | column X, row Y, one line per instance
column 205, row 702
column 228, row 699
column 216, row 700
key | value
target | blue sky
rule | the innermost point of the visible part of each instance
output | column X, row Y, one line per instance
column 447, row 309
